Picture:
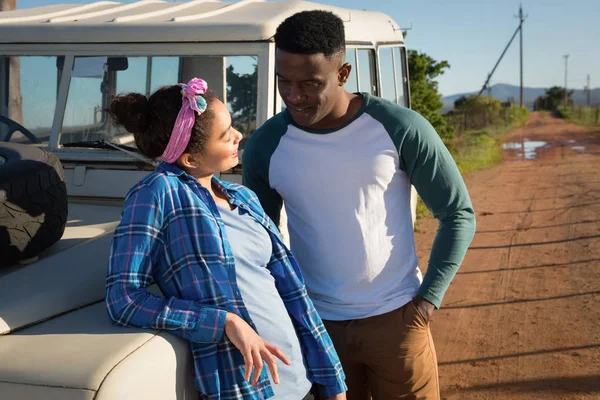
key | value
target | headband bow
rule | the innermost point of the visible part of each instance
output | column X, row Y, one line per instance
column 192, row 102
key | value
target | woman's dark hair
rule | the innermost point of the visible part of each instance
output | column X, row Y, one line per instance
column 151, row 120
column 312, row 32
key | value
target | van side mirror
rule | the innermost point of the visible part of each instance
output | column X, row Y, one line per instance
column 118, row 63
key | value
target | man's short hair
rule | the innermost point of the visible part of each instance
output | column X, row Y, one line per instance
column 312, row 32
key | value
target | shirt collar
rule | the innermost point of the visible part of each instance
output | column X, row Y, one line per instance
column 170, row 169
column 174, row 170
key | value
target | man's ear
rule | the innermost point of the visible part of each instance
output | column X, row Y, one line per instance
column 344, row 73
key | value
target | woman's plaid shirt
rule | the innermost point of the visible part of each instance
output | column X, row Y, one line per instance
column 171, row 233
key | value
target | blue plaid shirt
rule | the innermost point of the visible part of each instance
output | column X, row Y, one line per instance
column 171, row 233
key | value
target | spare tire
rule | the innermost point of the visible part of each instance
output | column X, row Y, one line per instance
column 33, row 201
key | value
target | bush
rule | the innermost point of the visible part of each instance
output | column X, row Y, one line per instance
column 481, row 112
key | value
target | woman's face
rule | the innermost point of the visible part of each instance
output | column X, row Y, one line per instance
column 221, row 151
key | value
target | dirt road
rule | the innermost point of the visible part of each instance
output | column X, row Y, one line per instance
column 521, row 319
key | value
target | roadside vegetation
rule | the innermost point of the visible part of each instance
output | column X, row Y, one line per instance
column 473, row 130
column 587, row 116
column 554, row 101
column 479, row 124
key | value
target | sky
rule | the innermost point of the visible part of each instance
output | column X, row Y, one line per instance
column 471, row 34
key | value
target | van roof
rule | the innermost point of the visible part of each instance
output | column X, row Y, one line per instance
column 149, row 21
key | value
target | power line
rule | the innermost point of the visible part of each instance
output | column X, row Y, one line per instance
column 521, row 20
column 518, row 30
column 498, row 62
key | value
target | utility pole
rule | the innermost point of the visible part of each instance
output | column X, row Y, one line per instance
column 14, row 75
column 566, row 57
column 521, row 20
column 518, row 30
column 588, row 90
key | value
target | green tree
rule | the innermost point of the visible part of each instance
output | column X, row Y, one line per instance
column 554, row 97
column 241, row 97
column 425, row 97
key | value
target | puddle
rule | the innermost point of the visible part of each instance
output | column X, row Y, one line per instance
column 527, row 148
column 578, row 148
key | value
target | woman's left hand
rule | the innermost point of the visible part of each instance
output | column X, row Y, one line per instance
column 253, row 348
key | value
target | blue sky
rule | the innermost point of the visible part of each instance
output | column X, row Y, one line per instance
column 471, row 34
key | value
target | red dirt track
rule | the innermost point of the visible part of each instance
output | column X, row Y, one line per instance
column 521, row 319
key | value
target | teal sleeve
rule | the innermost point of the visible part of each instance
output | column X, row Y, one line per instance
column 255, row 165
column 434, row 174
column 256, row 177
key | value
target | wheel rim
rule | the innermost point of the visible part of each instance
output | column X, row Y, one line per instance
column 2, row 161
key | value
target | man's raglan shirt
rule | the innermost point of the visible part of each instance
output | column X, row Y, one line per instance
column 347, row 199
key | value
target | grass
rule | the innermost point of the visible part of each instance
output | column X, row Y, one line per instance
column 476, row 150
column 586, row 116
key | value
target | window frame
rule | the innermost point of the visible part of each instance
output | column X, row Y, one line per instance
column 374, row 68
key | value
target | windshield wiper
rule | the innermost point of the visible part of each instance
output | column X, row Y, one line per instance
column 103, row 144
column 100, row 144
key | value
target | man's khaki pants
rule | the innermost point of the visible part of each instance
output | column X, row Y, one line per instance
column 388, row 356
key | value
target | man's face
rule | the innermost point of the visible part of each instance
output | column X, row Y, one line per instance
column 310, row 85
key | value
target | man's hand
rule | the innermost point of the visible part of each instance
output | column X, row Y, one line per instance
column 339, row 396
column 253, row 348
column 425, row 308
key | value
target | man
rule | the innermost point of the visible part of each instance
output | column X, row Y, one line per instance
column 344, row 164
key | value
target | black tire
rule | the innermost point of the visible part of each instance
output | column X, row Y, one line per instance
column 33, row 202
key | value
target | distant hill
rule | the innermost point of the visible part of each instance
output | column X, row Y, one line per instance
column 503, row 92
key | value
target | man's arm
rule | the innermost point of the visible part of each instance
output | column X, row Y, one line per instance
column 436, row 177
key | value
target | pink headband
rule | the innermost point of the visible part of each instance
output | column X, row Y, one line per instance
column 192, row 101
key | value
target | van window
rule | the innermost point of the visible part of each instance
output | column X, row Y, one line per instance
column 387, row 76
column 366, row 76
column 84, row 108
column 36, row 87
column 146, row 74
column 233, row 79
column 242, row 81
column 401, row 76
column 352, row 82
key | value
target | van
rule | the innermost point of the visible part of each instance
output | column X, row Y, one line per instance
column 65, row 168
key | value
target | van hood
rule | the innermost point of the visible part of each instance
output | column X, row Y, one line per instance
column 69, row 275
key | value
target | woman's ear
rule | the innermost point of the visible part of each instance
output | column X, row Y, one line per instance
column 186, row 161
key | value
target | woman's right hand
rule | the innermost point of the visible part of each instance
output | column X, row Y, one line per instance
column 254, row 349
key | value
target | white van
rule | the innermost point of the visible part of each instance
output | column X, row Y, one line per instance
column 65, row 168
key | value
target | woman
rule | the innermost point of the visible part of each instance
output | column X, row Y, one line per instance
column 231, row 286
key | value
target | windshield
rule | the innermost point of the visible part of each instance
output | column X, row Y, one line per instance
column 95, row 80
column 29, row 98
